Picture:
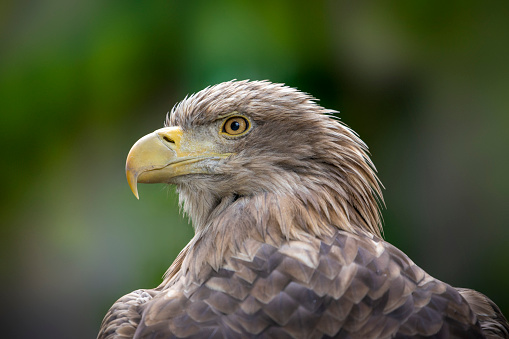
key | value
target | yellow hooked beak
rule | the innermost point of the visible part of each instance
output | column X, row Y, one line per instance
column 164, row 154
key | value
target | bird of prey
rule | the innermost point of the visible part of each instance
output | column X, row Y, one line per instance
column 284, row 201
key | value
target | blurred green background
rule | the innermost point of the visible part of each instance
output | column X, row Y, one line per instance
column 424, row 83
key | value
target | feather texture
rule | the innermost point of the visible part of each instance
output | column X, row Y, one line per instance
column 344, row 285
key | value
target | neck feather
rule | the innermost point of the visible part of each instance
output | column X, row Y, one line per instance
column 223, row 226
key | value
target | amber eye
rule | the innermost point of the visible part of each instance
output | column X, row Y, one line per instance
column 235, row 126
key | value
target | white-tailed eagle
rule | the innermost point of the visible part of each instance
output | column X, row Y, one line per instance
column 284, row 201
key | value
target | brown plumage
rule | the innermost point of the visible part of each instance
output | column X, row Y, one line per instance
column 288, row 231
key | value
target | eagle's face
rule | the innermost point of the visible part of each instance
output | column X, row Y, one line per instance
column 242, row 146
column 196, row 154
column 246, row 139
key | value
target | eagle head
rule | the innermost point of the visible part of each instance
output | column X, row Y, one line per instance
column 240, row 141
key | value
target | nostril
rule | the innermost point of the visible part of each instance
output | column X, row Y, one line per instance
column 168, row 139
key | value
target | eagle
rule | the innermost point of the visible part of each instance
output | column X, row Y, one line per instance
column 285, row 205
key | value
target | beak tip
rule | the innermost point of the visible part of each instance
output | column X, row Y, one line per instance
column 134, row 189
column 135, row 192
column 133, row 182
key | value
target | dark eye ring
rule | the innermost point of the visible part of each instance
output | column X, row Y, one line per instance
column 235, row 126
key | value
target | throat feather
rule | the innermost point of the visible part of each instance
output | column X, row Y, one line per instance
column 268, row 218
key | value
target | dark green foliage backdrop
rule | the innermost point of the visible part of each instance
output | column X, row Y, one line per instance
column 424, row 83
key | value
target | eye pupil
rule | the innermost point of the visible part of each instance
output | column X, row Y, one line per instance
column 235, row 126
